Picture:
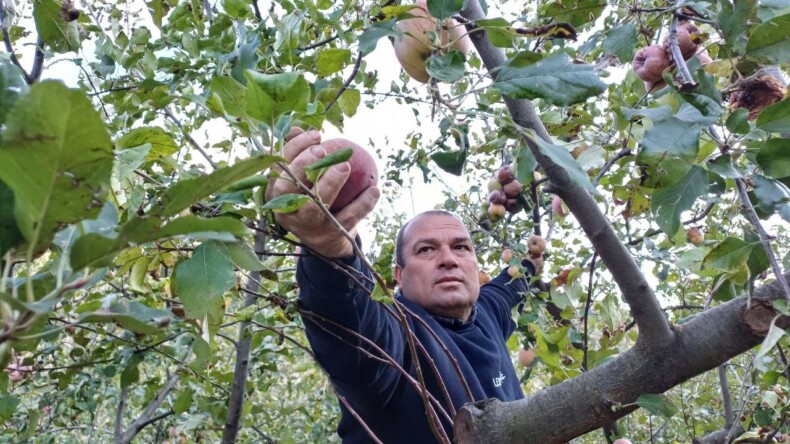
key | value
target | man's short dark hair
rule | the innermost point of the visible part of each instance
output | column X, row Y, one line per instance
column 399, row 239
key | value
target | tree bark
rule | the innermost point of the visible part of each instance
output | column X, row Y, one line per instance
column 607, row 393
column 640, row 297
column 236, row 402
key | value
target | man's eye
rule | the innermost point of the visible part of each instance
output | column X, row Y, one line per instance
column 424, row 250
column 463, row 247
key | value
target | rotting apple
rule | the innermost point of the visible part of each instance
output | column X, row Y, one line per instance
column 496, row 212
column 497, row 197
column 689, row 39
column 363, row 175
column 536, row 245
column 507, row 255
column 515, row 271
column 650, row 62
column 505, row 175
column 512, row 189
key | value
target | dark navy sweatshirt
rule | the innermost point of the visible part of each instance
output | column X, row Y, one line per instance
column 379, row 393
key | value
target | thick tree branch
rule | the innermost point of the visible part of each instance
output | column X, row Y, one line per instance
column 145, row 418
column 236, row 401
column 641, row 299
column 607, row 393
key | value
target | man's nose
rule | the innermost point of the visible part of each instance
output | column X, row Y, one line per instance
column 447, row 257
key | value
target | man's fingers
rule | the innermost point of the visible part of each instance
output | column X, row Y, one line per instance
column 331, row 182
column 350, row 216
column 293, row 132
column 299, row 143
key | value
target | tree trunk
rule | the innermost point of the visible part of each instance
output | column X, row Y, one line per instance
column 606, row 393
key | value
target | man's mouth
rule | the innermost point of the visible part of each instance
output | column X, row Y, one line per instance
column 449, row 279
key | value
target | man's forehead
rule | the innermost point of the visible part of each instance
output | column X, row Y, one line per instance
column 436, row 224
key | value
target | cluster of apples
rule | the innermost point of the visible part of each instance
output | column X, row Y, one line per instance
column 536, row 245
column 504, row 194
column 650, row 62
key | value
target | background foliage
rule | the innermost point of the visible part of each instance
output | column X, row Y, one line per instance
column 135, row 241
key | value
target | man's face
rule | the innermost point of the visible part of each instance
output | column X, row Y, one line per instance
column 440, row 266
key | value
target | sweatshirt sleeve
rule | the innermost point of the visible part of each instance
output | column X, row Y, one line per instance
column 503, row 293
column 336, row 312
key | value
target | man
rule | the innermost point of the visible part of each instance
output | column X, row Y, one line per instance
column 459, row 328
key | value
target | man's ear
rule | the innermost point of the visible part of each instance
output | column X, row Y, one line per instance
column 397, row 273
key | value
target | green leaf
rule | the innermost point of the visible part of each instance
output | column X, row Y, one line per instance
column 232, row 94
column 369, row 38
column 61, row 35
column 287, row 203
column 575, row 12
column 738, row 121
column 443, row 9
column 349, row 102
column 92, row 250
column 668, row 203
column 315, row 170
column 131, row 373
column 57, row 158
column 10, row 236
column 446, row 68
column 672, row 137
column 706, row 98
column 724, row 167
column 659, row 405
column 202, row 280
column 769, row 192
column 729, row 255
column 621, row 41
column 238, row 9
column 184, row 401
column 8, row 404
column 188, row 191
column 162, row 143
column 202, row 350
column 332, row 60
column 498, row 30
column 243, row 257
column 157, row 10
column 775, row 333
column 136, row 317
column 271, row 95
column 525, row 165
column 451, row 161
column 774, row 158
column 770, row 41
column 555, row 79
column 733, row 20
column 563, row 158
column 775, row 118
column 12, row 86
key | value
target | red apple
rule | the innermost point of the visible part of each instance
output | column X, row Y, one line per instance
column 364, row 173
column 483, row 277
column 695, row 236
column 558, row 207
column 526, row 356
column 513, row 206
column 507, row 255
column 515, row 271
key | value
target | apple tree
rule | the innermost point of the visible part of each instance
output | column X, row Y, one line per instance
column 148, row 293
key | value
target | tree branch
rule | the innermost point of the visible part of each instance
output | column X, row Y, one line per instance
column 609, row 391
column 236, row 401
column 145, row 418
column 647, row 312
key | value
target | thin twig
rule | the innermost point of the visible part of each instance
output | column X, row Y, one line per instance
column 764, row 240
column 347, row 82
column 189, row 138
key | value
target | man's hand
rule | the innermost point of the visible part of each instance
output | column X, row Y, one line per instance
column 310, row 223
